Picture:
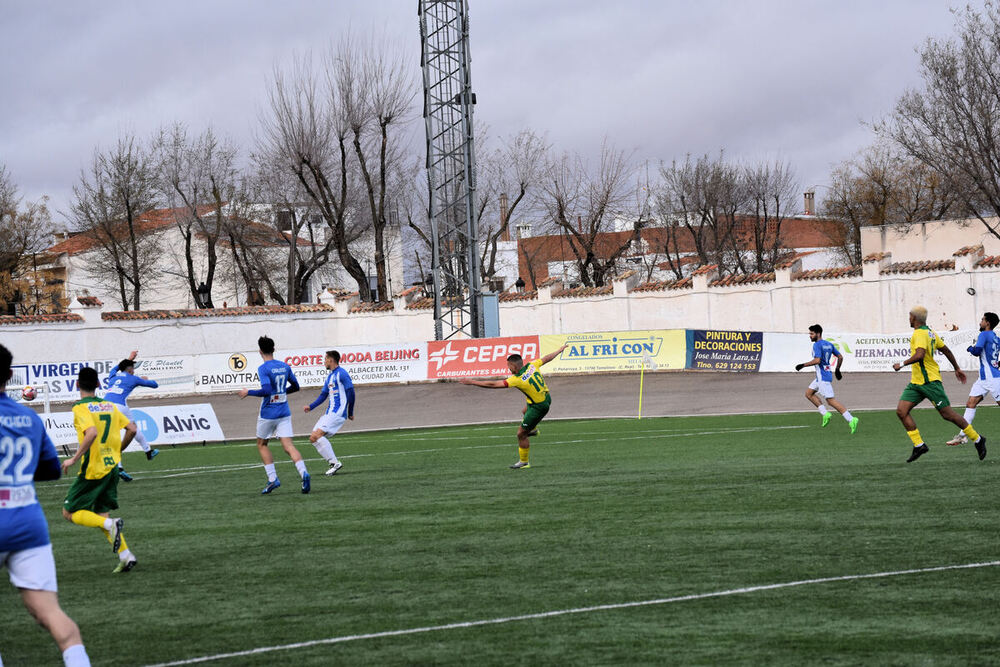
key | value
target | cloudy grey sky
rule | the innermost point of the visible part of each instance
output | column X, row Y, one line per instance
column 787, row 79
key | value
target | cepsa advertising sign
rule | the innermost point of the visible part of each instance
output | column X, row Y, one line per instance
column 615, row 351
column 738, row 351
column 479, row 357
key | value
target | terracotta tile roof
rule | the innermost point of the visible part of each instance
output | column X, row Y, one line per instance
column 518, row 296
column 421, row 304
column 706, row 269
column 659, row 286
column 578, row 292
column 787, row 262
column 216, row 312
column 89, row 301
column 550, row 281
column 372, row 307
column 748, row 279
column 8, row 320
column 828, row 274
column 410, row 290
column 147, row 222
column 968, row 250
column 989, row 261
column 915, row 267
column 428, row 302
column 625, row 276
column 875, row 257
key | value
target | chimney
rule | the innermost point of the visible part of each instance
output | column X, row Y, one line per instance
column 810, row 202
column 503, row 217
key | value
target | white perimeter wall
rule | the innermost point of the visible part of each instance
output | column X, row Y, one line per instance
column 871, row 303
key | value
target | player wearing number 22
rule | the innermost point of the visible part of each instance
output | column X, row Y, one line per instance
column 94, row 493
column 27, row 456
column 529, row 381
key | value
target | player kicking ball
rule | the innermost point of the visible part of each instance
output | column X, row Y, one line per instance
column 823, row 352
column 340, row 390
column 528, row 380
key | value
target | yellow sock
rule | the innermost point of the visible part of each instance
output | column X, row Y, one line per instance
column 87, row 518
column 107, row 536
column 971, row 432
column 522, row 453
column 915, row 437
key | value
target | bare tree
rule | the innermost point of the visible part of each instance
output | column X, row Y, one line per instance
column 952, row 123
column 703, row 196
column 880, row 186
column 506, row 180
column 297, row 227
column 108, row 202
column 771, row 190
column 377, row 93
column 198, row 176
column 24, row 228
column 585, row 203
column 339, row 133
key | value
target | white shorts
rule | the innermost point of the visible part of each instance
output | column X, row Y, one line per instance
column 983, row 387
column 33, row 569
column 330, row 423
column 270, row 428
column 825, row 389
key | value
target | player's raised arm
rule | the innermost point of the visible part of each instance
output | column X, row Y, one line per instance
column 552, row 355
column 488, row 384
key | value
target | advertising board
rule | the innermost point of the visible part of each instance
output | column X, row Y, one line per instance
column 615, row 350
column 162, row 425
column 714, row 350
column 478, row 357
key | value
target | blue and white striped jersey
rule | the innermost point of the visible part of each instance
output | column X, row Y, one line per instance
column 987, row 348
column 339, row 388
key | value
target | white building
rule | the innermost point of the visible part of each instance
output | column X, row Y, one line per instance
column 76, row 258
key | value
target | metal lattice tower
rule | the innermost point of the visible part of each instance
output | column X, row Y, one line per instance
column 451, row 167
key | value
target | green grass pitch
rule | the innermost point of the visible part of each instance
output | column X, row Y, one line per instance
column 426, row 528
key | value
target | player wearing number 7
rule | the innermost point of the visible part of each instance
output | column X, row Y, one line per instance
column 527, row 379
column 94, row 493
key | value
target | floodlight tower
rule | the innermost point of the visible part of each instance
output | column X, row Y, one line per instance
column 451, row 167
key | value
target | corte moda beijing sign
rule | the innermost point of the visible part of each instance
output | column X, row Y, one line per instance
column 367, row 364
column 477, row 357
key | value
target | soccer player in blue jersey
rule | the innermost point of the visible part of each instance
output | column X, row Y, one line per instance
column 987, row 348
column 27, row 455
column 276, row 382
column 340, row 390
column 120, row 384
column 823, row 353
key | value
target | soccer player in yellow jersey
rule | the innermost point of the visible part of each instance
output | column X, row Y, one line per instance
column 527, row 379
column 94, row 493
column 925, row 382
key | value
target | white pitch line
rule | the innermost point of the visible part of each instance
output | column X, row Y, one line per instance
column 578, row 610
column 236, row 467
